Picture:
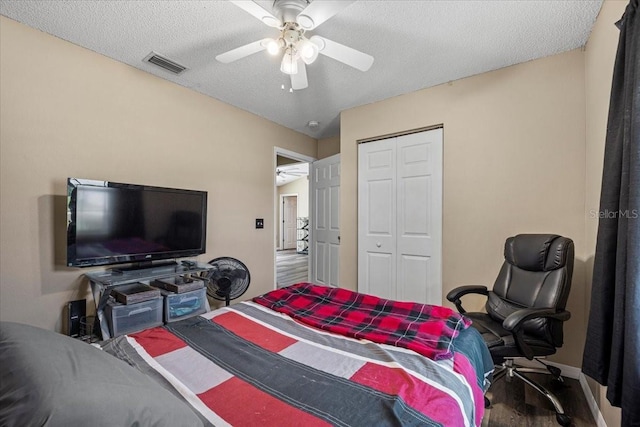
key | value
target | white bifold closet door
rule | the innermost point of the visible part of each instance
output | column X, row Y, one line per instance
column 400, row 217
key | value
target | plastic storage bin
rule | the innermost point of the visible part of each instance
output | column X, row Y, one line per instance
column 125, row 319
column 187, row 304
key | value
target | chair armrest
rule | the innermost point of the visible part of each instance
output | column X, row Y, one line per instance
column 455, row 294
column 514, row 322
column 516, row 319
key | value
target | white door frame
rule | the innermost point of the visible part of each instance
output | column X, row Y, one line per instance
column 281, row 219
column 277, row 151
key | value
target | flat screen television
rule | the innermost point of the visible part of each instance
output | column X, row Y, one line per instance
column 115, row 223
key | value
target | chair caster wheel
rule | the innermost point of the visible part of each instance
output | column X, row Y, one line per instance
column 563, row 419
column 556, row 372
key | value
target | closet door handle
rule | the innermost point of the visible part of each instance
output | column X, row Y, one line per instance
column 378, row 244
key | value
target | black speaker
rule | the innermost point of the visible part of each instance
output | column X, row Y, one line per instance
column 76, row 310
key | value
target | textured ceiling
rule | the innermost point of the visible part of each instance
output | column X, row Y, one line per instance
column 416, row 44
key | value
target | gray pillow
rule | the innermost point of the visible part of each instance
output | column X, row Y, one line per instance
column 49, row 378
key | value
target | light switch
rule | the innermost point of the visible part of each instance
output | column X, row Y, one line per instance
column 259, row 222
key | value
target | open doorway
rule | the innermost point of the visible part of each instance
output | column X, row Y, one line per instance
column 292, row 213
column 288, row 222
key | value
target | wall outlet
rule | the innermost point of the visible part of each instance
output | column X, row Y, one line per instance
column 259, row 222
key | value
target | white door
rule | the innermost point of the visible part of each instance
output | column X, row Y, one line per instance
column 325, row 220
column 400, row 217
column 289, row 222
column 377, row 218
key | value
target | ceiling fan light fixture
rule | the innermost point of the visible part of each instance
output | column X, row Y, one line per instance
column 289, row 62
column 305, row 21
column 293, row 18
column 318, row 42
column 274, row 46
column 308, row 51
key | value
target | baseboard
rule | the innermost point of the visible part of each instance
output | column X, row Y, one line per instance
column 576, row 374
column 591, row 401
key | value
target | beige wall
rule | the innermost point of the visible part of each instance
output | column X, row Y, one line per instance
column 66, row 111
column 328, row 146
column 599, row 59
column 513, row 163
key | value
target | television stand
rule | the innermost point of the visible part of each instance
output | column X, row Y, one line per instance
column 102, row 282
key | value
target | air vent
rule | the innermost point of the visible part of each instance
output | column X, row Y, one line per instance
column 164, row 63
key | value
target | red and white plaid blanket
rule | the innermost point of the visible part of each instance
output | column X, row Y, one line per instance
column 426, row 329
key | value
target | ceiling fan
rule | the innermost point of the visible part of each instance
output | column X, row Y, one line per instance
column 291, row 172
column 293, row 18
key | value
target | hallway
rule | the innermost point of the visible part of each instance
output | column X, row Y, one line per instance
column 291, row 267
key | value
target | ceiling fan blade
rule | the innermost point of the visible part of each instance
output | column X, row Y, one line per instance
column 243, row 51
column 299, row 80
column 339, row 52
column 256, row 10
column 319, row 11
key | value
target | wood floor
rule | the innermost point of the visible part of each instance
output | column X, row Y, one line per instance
column 291, row 267
column 516, row 404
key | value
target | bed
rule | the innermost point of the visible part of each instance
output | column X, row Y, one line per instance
column 303, row 355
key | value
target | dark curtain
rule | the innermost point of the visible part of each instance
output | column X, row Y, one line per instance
column 612, row 349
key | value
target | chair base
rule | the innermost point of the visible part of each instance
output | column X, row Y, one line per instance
column 510, row 370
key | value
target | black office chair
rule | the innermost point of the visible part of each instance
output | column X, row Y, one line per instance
column 526, row 308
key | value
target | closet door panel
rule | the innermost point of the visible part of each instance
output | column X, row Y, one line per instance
column 377, row 218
